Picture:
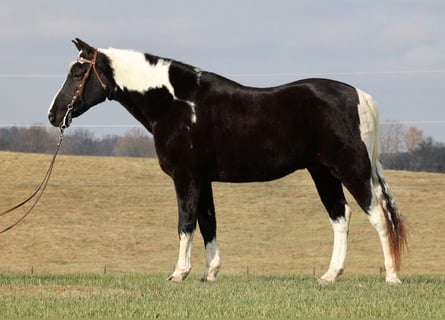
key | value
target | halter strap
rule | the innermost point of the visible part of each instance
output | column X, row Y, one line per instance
column 92, row 63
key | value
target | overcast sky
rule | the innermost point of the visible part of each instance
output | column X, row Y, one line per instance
column 394, row 50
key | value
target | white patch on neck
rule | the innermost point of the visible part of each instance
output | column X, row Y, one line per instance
column 133, row 72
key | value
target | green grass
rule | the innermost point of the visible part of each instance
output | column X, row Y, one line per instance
column 151, row 296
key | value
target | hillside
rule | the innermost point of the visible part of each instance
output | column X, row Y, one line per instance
column 120, row 213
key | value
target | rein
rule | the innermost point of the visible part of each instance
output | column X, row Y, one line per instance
column 38, row 192
column 66, row 122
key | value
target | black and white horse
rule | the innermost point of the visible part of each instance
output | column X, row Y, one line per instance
column 207, row 128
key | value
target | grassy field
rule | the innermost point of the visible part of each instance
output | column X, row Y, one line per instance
column 118, row 215
column 150, row 296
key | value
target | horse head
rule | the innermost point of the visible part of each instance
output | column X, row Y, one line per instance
column 88, row 83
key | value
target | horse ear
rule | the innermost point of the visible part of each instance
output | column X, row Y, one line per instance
column 83, row 46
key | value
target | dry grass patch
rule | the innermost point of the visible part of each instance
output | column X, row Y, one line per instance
column 120, row 213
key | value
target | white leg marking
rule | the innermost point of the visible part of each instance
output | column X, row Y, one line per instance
column 339, row 250
column 213, row 261
column 378, row 221
column 184, row 264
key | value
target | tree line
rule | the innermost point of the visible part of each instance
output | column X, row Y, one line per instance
column 428, row 155
column 406, row 148
column 403, row 148
column 134, row 143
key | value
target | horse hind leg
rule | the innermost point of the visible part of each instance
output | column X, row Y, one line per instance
column 389, row 224
column 331, row 194
column 379, row 205
column 207, row 226
column 374, row 197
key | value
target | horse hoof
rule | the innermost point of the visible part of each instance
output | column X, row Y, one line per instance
column 175, row 278
column 206, row 278
column 393, row 282
column 178, row 277
column 325, row 282
column 210, row 274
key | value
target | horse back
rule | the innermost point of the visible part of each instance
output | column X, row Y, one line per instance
column 244, row 134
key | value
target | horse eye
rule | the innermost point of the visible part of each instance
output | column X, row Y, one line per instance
column 77, row 71
column 77, row 75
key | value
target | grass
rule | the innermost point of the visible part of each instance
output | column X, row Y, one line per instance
column 151, row 296
column 119, row 215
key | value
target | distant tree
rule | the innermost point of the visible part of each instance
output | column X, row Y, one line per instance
column 391, row 136
column 7, row 138
column 430, row 156
column 413, row 138
column 135, row 143
column 36, row 139
column 107, row 145
column 80, row 142
column 427, row 156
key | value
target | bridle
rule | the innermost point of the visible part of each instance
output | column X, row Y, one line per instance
column 78, row 93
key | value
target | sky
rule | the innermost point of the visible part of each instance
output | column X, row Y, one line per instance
column 394, row 50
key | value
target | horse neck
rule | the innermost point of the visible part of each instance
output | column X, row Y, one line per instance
column 144, row 82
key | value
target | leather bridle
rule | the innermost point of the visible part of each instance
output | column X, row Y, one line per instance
column 78, row 93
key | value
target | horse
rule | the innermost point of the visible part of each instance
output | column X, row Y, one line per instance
column 208, row 128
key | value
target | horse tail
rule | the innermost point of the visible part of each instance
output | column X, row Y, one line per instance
column 395, row 222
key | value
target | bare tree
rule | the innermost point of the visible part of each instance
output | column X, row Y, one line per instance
column 413, row 138
column 392, row 133
column 135, row 143
column 80, row 142
column 33, row 139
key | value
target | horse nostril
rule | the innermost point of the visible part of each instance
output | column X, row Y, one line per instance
column 51, row 117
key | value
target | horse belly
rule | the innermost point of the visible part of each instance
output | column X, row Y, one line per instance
column 249, row 160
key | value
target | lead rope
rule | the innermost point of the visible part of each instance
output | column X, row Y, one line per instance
column 66, row 121
column 41, row 188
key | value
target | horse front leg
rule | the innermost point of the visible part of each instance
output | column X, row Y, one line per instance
column 207, row 226
column 187, row 193
column 331, row 194
column 340, row 227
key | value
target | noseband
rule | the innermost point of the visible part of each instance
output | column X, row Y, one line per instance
column 92, row 65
